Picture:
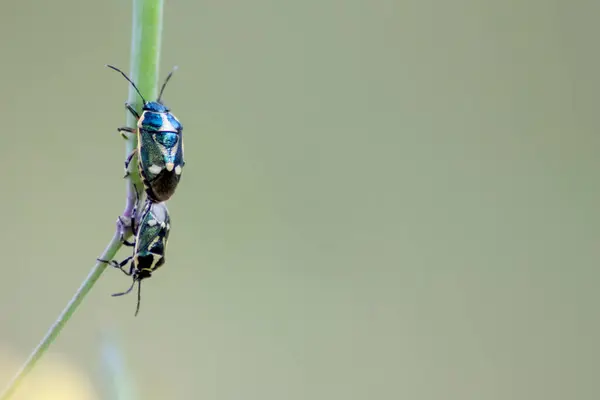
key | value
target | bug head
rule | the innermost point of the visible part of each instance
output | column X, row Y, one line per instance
column 143, row 274
column 155, row 106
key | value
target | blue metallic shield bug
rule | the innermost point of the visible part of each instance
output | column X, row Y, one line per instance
column 151, row 234
column 160, row 145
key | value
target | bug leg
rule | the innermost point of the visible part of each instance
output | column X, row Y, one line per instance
column 131, row 268
column 119, row 265
column 131, row 110
column 109, row 262
column 128, row 161
column 124, row 129
column 126, row 242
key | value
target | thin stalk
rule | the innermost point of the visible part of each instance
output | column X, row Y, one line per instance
column 145, row 56
column 64, row 316
column 146, row 38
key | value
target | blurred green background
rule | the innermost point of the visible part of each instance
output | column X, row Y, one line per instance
column 382, row 200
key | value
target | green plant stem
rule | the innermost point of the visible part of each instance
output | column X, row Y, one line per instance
column 66, row 314
column 146, row 38
column 145, row 56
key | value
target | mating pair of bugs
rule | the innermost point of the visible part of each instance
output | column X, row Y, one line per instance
column 160, row 163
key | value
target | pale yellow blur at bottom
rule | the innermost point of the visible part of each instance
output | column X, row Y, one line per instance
column 54, row 378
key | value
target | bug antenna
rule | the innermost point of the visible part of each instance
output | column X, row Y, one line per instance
column 129, row 80
column 125, row 292
column 137, row 309
column 162, row 89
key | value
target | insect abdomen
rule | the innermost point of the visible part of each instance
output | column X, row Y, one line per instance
column 162, row 187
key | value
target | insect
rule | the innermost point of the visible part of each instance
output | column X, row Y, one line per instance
column 160, row 145
column 151, row 235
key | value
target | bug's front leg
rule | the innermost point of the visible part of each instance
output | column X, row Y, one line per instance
column 119, row 265
column 127, row 129
column 132, row 110
column 127, row 243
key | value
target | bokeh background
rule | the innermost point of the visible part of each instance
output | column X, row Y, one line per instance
column 382, row 200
